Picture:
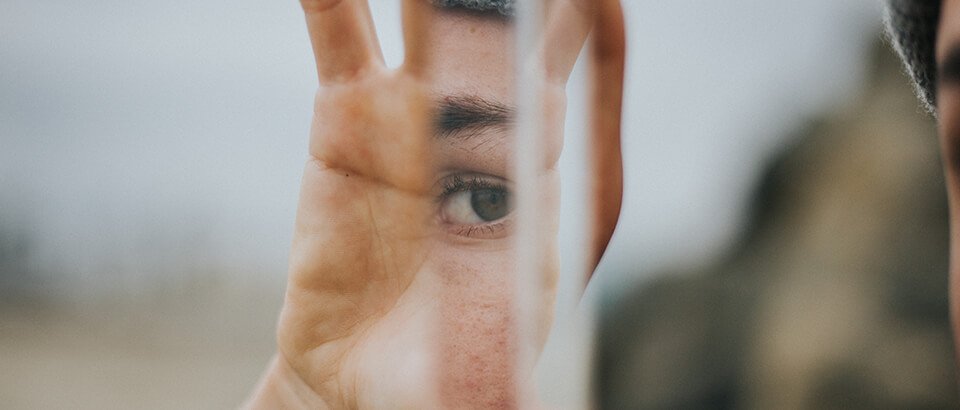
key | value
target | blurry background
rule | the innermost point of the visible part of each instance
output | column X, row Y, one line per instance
column 783, row 242
column 832, row 296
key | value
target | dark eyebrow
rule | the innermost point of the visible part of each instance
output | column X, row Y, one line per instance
column 469, row 115
column 949, row 69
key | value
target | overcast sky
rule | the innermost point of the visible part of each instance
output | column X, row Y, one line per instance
column 140, row 138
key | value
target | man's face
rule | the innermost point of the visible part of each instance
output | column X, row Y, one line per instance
column 471, row 77
column 948, row 109
column 470, row 258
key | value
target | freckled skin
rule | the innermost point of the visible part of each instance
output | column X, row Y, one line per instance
column 385, row 307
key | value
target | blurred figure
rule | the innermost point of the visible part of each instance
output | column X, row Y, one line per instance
column 835, row 296
column 926, row 34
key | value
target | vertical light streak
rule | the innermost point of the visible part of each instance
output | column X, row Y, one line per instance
column 527, row 165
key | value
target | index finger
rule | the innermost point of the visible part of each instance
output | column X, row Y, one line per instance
column 418, row 18
column 344, row 39
column 567, row 26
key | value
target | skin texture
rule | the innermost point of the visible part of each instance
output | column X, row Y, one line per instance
column 392, row 300
column 948, row 110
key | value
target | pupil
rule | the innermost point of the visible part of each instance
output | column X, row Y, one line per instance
column 490, row 204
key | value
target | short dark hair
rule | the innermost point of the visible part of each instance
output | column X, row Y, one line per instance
column 504, row 7
column 912, row 30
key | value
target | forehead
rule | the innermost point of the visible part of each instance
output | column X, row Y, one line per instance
column 472, row 53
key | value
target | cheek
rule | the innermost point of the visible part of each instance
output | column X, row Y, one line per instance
column 478, row 341
column 477, row 336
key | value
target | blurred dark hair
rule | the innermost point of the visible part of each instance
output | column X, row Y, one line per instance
column 504, row 7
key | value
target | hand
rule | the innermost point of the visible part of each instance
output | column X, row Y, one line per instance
column 398, row 293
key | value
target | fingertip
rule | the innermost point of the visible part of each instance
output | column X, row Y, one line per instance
column 343, row 37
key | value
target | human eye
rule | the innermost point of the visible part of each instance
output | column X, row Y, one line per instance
column 475, row 205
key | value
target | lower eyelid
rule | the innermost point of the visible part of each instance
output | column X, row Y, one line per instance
column 492, row 230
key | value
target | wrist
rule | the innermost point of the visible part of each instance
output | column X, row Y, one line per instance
column 281, row 387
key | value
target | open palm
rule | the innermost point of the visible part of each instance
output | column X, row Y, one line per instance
column 378, row 303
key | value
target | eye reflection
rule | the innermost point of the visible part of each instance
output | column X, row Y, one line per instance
column 474, row 204
column 490, row 204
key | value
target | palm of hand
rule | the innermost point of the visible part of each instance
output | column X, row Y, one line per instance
column 359, row 324
column 362, row 234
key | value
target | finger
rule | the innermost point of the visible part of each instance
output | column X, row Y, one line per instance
column 417, row 16
column 343, row 37
column 608, row 58
column 568, row 23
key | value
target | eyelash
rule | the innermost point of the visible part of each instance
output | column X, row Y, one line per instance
column 459, row 183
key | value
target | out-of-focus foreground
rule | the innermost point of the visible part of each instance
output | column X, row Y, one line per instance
column 836, row 295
